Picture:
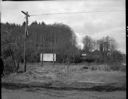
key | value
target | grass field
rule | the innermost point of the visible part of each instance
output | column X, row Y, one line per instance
column 69, row 76
column 72, row 73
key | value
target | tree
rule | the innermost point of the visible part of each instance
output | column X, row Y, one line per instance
column 10, row 44
column 88, row 44
column 107, row 45
column 53, row 38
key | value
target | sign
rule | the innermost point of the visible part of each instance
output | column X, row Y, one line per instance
column 83, row 54
column 48, row 57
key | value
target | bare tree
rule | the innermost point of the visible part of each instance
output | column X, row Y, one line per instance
column 107, row 44
column 88, row 44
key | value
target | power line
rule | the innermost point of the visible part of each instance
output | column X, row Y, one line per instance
column 76, row 12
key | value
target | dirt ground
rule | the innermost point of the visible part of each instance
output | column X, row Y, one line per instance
column 55, row 94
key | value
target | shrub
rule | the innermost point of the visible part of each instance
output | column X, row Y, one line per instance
column 116, row 66
column 123, row 68
column 9, row 66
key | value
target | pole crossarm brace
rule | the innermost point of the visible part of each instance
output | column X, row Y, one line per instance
column 26, row 13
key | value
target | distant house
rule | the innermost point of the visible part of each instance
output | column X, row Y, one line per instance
column 96, row 54
column 91, row 57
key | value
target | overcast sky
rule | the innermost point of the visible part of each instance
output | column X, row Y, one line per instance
column 101, row 17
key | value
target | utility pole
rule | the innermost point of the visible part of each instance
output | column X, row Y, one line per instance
column 54, row 47
column 25, row 36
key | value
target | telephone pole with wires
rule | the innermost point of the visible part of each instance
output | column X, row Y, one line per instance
column 25, row 36
column 68, row 13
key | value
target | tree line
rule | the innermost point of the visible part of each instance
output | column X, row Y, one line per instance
column 53, row 38
column 103, row 50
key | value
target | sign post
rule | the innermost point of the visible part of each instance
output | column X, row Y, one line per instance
column 41, row 58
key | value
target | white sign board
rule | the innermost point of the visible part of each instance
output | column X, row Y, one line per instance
column 83, row 54
column 48, row 57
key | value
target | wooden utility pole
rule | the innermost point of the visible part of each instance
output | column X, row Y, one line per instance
column 54, row 48
column 25, row 36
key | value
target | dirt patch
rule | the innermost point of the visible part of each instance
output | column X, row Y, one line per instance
column 57, row 85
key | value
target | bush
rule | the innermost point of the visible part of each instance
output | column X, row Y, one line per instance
column 102, row 67
column 9, row 66
column 116, row 66
column 123, row 68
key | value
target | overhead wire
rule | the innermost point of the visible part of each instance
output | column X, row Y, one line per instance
column 75, row 12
